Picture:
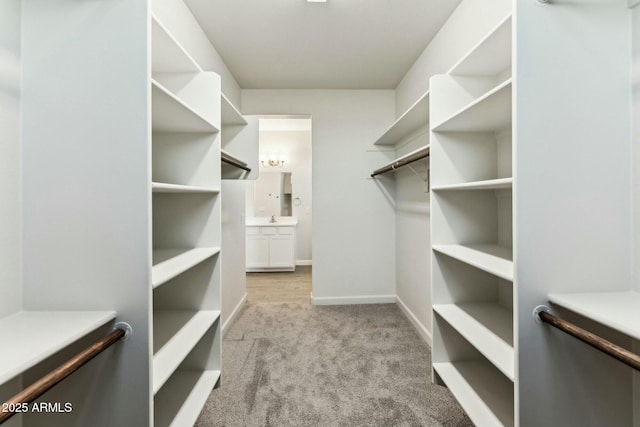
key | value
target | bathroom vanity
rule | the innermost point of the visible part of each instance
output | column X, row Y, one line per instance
column 271, row 243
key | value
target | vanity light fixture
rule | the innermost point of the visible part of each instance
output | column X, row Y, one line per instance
column 272, row 160
column 316, row 1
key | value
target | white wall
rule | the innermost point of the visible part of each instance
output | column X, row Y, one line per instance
column 10, row 290
column 572, row 208
column 234, row 278
column 179, row 20
column 635, row 146
column 85, row 192
column 297, row 147
column 353, row 221
column 266, row 194
column 468, row 23
column 635, row 135
column 413, row 237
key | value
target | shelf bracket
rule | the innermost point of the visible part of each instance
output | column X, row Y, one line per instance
column 425, row 179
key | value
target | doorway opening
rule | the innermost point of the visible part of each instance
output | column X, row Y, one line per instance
column 279, row 213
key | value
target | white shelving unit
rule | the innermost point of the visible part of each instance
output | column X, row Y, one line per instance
column 159, row 187
column 188, row 394
column 489, row 184
column 411, row 120
column 170, row 114
column 487, row 398
column 488, row 327
column 168, row 55
column 493, row 259
column 185, row 274
column 168, row 263
column 409, row 138
column 239, row 142
column 176, row 333
column 473, row 271
column 488, row 113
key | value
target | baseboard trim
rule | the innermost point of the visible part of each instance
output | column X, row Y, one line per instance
column 368, row 299
column 303, row 262
column 420, row 328
column 234, row 315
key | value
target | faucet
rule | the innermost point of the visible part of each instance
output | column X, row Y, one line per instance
column 273, row 218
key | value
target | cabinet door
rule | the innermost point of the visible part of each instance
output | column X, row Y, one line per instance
column 281, row 252
column 257, row 251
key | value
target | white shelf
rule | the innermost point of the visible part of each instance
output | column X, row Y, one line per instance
column 617, row 310
column 171, row 410
column 417, row 115
column 168, row 263
column 230, row 114
column 493, row 259
column 490, row 184
column 168, row 55
column 485, row 395
column 36, row 335
column 490, row 112
column 159, row 187
column 175, row 334
column 170, row 114
column 491, row 56
column 488, row 327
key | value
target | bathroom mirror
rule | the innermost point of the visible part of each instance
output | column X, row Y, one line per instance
column 272, row 194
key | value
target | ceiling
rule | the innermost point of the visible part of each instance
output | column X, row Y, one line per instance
column 340, row 44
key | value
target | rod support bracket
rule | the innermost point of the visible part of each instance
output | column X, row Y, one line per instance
column 539, row 309
column 128, row 330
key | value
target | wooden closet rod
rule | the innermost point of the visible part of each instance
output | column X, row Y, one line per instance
column 47, row 382
column 419, row 155
column 613, row 350
column 236, row 164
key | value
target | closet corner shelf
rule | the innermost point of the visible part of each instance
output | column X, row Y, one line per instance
column 168, row 263
column 168, row 55
column 493, row 259
column 490, row 184
column 490, row 112
column 159, row 187
column 417, row 115
column 170, row 114
column 490, row 56
column 488, row 327
column 32, row 336
column 486, row 397
column 175, row 334
column 230, row 114
column 195, row 386
column 617, row 310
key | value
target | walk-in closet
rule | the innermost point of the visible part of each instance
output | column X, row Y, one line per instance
column 438, row 203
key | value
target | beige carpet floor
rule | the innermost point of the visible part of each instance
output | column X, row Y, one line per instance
column 293, row 364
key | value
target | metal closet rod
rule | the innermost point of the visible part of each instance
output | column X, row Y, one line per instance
column 403, row 162
column 622, row 354
column 47, row 382
column 236, row 164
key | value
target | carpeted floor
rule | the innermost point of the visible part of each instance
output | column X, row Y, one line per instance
column 293, row 364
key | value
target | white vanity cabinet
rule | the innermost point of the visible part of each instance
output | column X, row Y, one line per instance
column 271, row 246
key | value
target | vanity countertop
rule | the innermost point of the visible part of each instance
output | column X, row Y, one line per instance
column 263, row 221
